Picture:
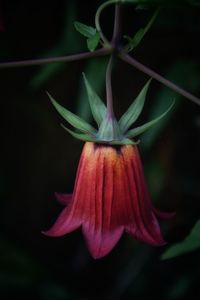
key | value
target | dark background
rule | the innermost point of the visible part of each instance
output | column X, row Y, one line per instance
column 39, row 157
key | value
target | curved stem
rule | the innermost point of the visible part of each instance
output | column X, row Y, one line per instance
column 97, row 19
column 117, row 26
column 109, row 97
column 42, row 61
column 131, row 61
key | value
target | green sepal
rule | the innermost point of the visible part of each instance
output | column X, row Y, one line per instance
column 124, row 141
column 85, row 30
column 97, row 106
column 138, row 130
column 134, row 110
column 71, row 118
column 109, row 130
column 93, row 41
column 88, row 138
column 79, row 136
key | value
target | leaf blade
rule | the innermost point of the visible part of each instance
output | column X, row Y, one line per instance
column 137, row 38
column 85, row 30
column 190, row 243
column 93, row 41
column 134, row 42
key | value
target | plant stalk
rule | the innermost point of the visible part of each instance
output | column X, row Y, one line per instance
column 109, row 96
column 133, row 62
column 42, row 61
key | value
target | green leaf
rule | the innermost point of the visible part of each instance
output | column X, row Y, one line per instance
column 134, row 42
column 71, row 118
column 91, row 33
column 138, row 130
column 135, row 109
column 190, row 243
column 138, row 37
column 79, row 136
column 97, row 106
column 93, row 41
column 85, row 30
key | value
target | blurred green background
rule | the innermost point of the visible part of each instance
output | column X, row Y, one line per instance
column 39, row 157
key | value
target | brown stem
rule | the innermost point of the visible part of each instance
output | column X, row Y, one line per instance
column 130, row 60
column 42, row 61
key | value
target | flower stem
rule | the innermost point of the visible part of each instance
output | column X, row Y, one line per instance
column 117, row 26
column 97, row 19
column 42, row 61
column 106, row 50
column 109, row 97
column 115, row 39
column 131, row 61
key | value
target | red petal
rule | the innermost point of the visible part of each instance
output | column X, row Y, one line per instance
column 110, row 195
column 101, row 230
column 71, row 216
column 145, row 226
column 64, row 199
column 100, row 243
column 66, row 223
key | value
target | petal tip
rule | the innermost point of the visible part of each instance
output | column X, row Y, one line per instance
column 163, row 214
column 50, row 233
column 100, row 245
column 63, row 199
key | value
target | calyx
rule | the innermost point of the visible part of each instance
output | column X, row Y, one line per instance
column 109, row 130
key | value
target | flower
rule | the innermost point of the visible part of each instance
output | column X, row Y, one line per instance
column 110, row 197
column 110, row 194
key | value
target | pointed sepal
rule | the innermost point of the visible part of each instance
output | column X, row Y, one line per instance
column 109, row 130
column 79, row 136
column 97, row 106
column 134, row 110
column 138, row 130
column 71, row 118
column 124, row 141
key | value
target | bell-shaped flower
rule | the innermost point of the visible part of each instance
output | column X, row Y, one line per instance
column 110, row 197
column 110, row 194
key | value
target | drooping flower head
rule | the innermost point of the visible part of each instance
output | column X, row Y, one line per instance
column 110, row 194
